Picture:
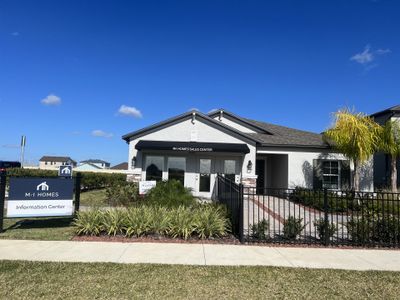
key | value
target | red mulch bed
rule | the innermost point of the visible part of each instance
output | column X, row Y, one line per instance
column 229, row 240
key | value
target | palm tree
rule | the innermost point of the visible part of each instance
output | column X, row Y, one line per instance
column 356, row 136
column 390, row 144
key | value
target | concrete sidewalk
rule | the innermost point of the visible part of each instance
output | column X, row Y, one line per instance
column 200, row 254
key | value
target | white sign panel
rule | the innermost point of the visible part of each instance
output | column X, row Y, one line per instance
column 145, row 186
column 39, row 208
column 40, row 197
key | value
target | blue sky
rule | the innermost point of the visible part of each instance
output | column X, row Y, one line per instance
column 67, row 67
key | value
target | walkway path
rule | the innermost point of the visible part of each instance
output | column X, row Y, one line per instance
column 199, row 254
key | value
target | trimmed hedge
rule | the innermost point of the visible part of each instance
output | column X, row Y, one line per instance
column 89, row 181
column 374, row 228
column 342, row 202
column 202, row 221
column 315, row 199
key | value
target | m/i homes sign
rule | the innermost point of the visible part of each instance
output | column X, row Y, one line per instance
column 40, row 197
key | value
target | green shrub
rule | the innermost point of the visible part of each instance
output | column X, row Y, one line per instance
column 374, row 227
column 211, row 221
column 160, row 222
column 325, row 230
column 123, row 194
column 89, row 222
column 113, row 221
column 182, row 222
column 137, row 221
column 292, row 227
column 260, row 230
column 170, row 193
column 336, row 202
column 204, row 221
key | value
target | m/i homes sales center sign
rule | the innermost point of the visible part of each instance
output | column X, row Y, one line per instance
column 40, row 197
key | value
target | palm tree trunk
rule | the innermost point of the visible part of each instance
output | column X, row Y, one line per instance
column 393, row 173
column 356, row 177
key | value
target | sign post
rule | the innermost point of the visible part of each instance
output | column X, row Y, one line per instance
column 77, row 191
column 23, row 143
column 2, row 197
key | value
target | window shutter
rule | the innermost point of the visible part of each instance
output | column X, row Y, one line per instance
column 345, row 183
column 317, row 174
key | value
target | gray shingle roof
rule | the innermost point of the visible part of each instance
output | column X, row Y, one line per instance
column 393, row 109
column 95, row 161
column 121, row 166
column 56, row 158
column 285, row 136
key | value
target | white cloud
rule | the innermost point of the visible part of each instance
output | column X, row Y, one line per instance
column 101, row 133
column 383, row 51
column 129, row 111
column 368, row 56
column 364, row 57
column 51, row 100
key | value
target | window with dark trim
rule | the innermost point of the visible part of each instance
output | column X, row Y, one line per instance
column 177, row 168
column 330, row 174
column 205, row 175
column 154, row 167
column 230, row 169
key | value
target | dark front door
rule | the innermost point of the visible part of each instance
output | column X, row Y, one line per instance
column 260, row 172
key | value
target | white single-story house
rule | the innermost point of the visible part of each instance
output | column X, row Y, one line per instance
column 194, row 147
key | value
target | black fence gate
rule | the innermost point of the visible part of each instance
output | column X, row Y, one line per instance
column 231, row 194
column 323, row 217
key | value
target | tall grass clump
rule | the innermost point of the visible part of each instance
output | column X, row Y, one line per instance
column 200, row 221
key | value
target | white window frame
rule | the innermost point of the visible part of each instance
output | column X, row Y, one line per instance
column 331, row 175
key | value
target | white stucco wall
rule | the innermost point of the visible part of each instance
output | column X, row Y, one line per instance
column 234, row 124
column 300, row 166
column 197, row 131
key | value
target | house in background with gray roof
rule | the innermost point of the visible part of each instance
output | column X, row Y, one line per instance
column 49, row 162
column 92, row 165
column 194, row 147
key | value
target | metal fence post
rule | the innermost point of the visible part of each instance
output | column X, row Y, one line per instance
column 326, row 218
column 3, row 178
column 77, row 191
column 241, row 227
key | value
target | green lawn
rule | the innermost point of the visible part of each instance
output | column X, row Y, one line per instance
column 29, row 280
column 94, row 198
column 55, row 229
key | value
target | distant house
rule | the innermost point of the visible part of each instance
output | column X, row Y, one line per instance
column 121, row 166
column 92, row 165
column 54, row 162
column 102, row 164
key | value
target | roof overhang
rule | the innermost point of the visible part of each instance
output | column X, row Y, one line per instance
column 192, row 146
column 191, row 114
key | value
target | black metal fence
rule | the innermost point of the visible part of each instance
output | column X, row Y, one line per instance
column 367, row 219
column 231, row 194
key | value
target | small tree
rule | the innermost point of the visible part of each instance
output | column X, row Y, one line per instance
column 356, row 136
column 390, row 144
